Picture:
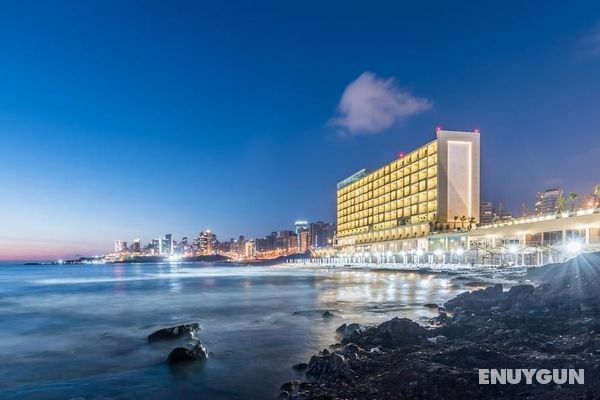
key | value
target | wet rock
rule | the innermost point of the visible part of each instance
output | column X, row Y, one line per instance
column 438, row 339
column 182, row 354
column 402, row 330
column 521, row 290
column 347, row 330
column 329, row 367
column 173, row 332
column 430, row 305
column 328, row 314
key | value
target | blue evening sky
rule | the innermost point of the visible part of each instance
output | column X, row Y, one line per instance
column 123, row 119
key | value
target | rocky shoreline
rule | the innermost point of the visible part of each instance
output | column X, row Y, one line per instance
column 552, row 324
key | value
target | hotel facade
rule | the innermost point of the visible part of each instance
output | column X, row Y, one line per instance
column 410, row 196
column 425, row 206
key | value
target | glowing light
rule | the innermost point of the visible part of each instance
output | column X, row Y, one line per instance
column 402, row 253
column 574, row 247
column 476, row 130
column 389, row 254
column 438, row 128
column 438, row 252
column 513, row 249
column 400, row 155
column 460, row 252
column 419, row 252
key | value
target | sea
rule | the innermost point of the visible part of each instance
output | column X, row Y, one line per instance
column 80, row 331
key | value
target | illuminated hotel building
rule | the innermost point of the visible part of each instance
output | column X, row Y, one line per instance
column 401, row 202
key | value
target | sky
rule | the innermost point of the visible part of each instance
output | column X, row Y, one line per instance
column 123, row 120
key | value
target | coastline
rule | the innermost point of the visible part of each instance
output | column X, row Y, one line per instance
column 552, row 324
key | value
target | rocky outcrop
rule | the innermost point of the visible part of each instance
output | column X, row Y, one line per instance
column 553, row 325
column 182, row 354
column 173, row 332
column 397, row 331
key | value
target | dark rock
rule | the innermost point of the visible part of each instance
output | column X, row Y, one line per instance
column 348, row 330
column 300, row 366
column 328, row 314
column 329, row 367
column 431, row 305
column 173, row 332
column 182, row 354
column 521, row 290
column 402, row 330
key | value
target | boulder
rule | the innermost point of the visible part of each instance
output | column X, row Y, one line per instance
column 182, row 354
column 173, row 332
column 329, row 367
column 521, row 290
column 402, row 330
column 347, row 330
column 328, row 314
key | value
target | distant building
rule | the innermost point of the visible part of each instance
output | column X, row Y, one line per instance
column 321, row 234
column 303, row 241
column 136, row 247
column 207, row 243
column 249, row 249
column 302, row 226
column 486, row 212
column 166, row 245
column 155, row 247
column 547, row 201
column 120, row 245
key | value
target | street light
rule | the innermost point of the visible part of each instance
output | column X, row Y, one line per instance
column 574, row 247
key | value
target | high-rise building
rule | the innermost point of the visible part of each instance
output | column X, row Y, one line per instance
column 301, row 226
column 136, row 247
column 321, row 234
column 166, row 245
column 249, row 249
column 418, row 190
column 155, row 247
column 120, row 245
column 547, row 201
column 207, row 243
column 303, row 241
column 486, row 213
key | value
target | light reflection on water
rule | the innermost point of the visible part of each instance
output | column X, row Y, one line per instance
column 68, row 331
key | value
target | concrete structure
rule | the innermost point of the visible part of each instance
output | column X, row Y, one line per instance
column 207, row 243
column 546, row 202
column 413, row 195
column 423, row 208
column 120, row 245
column 321, row 234
column 486, row 213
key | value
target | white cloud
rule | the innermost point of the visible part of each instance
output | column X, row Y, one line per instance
column 370, row 105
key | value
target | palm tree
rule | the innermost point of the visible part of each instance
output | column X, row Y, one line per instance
column 561, row 204
column 572, row 197
column 471, row 222
column 462, row 221
column 455, row 219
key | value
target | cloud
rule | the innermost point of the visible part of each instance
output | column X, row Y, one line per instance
column 370, row 105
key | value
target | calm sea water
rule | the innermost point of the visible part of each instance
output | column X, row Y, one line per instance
column 81, row 331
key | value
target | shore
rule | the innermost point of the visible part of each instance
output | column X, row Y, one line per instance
column 552, row 324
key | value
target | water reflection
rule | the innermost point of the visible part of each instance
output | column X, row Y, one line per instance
column 81, row 331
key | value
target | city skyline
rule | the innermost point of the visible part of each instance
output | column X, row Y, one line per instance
column 203, row 118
